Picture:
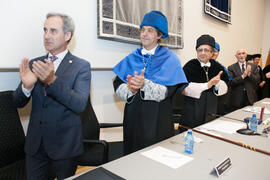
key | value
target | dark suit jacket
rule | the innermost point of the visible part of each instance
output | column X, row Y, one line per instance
column 55, row 118
column 238, row 84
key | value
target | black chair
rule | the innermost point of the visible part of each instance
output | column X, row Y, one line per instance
column 12, row 139
column 96, row 151
column 177, row 107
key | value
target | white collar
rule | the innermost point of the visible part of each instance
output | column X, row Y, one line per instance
column 151, row 51
column 208, row 64
column 59, row 56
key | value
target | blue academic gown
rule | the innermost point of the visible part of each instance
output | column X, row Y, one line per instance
column 145, row 121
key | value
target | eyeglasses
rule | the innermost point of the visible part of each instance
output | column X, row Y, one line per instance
column 205, row 50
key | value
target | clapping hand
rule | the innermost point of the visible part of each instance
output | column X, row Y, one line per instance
column 135, row 82
column 44, row 71
column 27, row 76
column 247, row 72
column 214, row 80
column 267, row 75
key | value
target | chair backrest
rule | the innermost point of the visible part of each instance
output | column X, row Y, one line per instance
column 12, row 136
column 90, row 124
column 178, row 102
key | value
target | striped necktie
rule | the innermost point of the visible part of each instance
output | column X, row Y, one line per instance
column 53, row 58
column 243, row 68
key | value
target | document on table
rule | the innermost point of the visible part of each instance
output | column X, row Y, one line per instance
column 265, row 102
column 167, row 157
column 223, row 126
column 255, row 109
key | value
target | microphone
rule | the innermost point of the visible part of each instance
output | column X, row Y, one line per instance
column 266, row 130
column 247, row 131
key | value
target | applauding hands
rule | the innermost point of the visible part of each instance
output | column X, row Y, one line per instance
column 247, row 72
column 27, row 76
column 40, row 70
column 135, row 82
column 214, row 80
column 44, row 71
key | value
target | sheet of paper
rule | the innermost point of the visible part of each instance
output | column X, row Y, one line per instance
column 265, row 102
column 255, row 109
column 223, row 126
column 167, row 157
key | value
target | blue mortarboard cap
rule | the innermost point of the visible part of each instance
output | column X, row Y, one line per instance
column 158, row 20
column 217, row 47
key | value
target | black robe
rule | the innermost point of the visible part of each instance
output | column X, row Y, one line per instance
column 200, row 111
column 266, row 90
column 261, row 90
column 146, row 122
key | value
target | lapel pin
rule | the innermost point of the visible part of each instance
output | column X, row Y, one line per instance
column 70, row 61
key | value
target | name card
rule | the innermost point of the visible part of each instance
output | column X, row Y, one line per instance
column 223, row 166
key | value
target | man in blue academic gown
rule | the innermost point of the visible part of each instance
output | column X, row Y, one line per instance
column 146, row 80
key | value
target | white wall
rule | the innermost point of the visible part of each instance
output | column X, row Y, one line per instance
column 266, row 32
column 245, row 31
column 22, row 30
column 249, row 29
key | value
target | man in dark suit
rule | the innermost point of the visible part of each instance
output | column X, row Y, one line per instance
column 245, row 78
column 59, row 85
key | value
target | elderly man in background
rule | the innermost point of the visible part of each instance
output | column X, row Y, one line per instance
column 245, row 78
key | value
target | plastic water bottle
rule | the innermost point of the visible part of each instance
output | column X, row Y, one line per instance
column 253, row 123
column 189, row 142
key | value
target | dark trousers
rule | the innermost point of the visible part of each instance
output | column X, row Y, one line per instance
column 244, row 102
column 41, row 167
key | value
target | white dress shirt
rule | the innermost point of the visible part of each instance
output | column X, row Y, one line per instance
column 151, row 51
column 240, row 65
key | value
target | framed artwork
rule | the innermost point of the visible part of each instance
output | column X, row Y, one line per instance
column 119, row 20
column 220, row 9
